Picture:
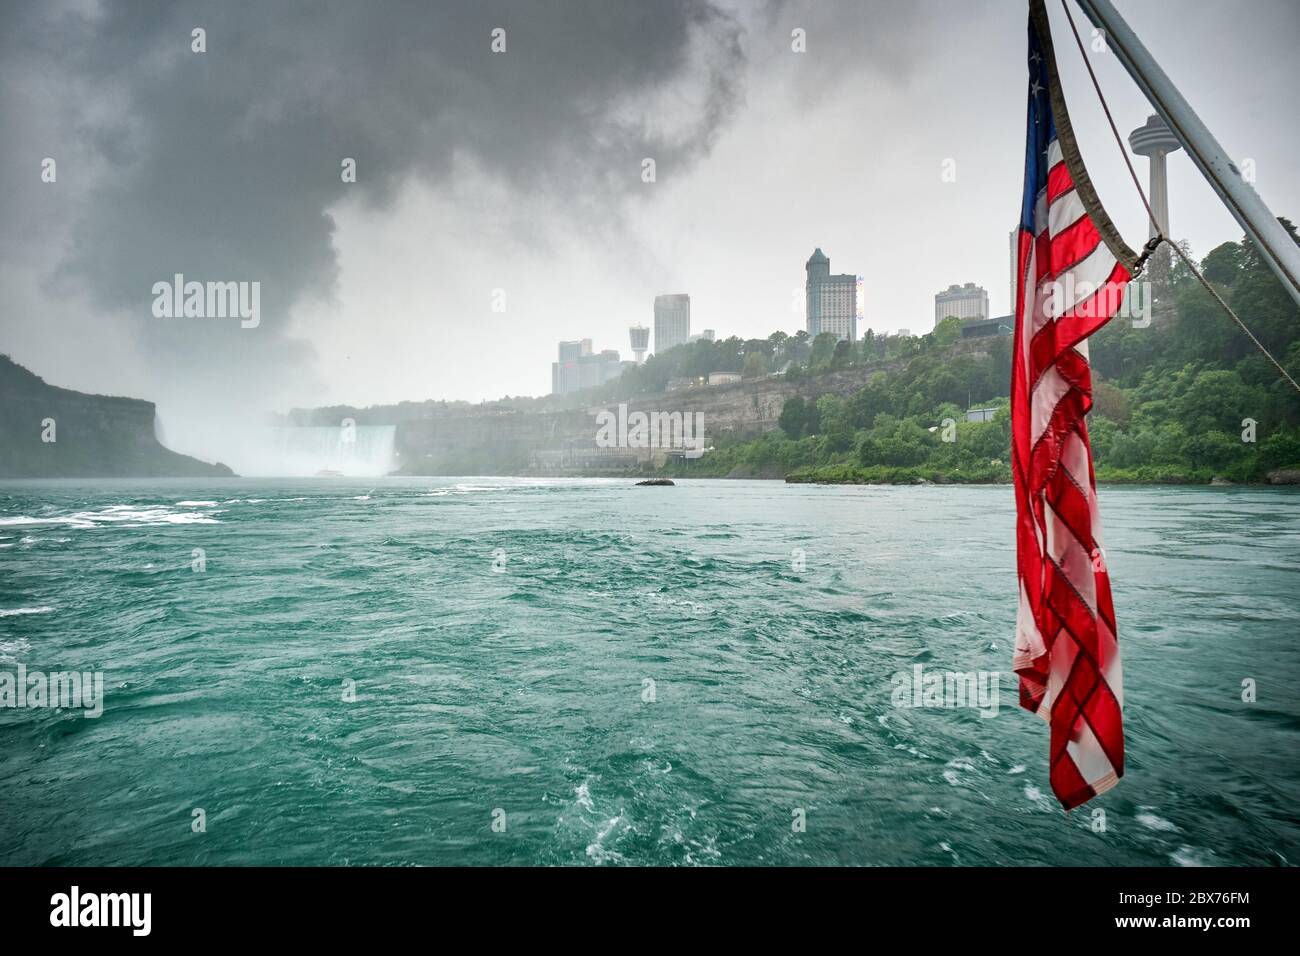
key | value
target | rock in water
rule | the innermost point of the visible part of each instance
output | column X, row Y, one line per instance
column 656, row 481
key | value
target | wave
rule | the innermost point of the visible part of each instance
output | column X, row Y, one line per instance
column 24, row 610
column 21, row 521
column 10, row 651
column 130, row 516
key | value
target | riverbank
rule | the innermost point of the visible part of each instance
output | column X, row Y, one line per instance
column 1000, row 475
column 845, row 474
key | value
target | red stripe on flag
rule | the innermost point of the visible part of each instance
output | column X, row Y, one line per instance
column 1073, row 244
column 1058, row 182
column 1062, row 335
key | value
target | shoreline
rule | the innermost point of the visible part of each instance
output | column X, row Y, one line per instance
column 882, row 476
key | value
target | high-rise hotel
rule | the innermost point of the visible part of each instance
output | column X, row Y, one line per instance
column 967, row 301
column 672, row 321
column 832, row 301
column 578, row 367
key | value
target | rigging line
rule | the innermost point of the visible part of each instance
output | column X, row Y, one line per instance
column 1159, row 236
column 1218, row 298
column 1110, row 119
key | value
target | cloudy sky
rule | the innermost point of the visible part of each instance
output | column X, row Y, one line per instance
column 521, row 171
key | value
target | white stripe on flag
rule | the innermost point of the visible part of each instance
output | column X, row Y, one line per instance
column 1072, row 558
column 1048, row 391
column 1091, row 760
column 1066, row 211
column 1081, row 282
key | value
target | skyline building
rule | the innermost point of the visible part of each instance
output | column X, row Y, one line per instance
column 1015, row 256
column 831, row 300
column 1155, row 141
column 564, row 373
column 672, row 320
column 578, row 367
column 967, row 301
column 640, row 336
column 597, row 369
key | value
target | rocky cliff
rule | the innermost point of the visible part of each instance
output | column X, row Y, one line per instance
column 51, row 432
column 492, row 439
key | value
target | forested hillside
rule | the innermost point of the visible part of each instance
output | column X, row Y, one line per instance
column 1175, row 399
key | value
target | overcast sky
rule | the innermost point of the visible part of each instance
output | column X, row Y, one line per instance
column 522, row 171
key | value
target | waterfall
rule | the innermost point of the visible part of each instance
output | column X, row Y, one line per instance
column 355, row 451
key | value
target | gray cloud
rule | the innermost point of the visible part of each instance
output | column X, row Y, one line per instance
column 222, row 165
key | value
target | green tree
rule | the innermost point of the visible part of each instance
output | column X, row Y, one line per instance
column 823, row 348
column 947, row 332
column 794, row 416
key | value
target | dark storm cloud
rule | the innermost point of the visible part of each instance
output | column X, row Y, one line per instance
column 221, row 165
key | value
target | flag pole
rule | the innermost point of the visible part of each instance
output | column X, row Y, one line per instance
column 1275, row 244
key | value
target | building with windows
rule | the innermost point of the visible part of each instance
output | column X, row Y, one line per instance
column 564, row 373
column 578, row 367
column 672, row 321
column 832, row 301
column 979, row 328
column 640, row 336
column 967, row 301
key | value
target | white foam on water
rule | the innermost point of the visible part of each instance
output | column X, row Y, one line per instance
column 21, row 521
column 956, row 768
column 1153, row 822
column 131, row 516
column 25, row 610
column 196, row 504
column 1034, row 795
column 1191, row 856
column 134, row 516
column 597, row 851
column 10, row 651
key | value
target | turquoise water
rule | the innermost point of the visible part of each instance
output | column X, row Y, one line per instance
column 524, row 690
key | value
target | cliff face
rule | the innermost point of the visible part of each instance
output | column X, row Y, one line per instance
column 487, row 440
column 95, row 436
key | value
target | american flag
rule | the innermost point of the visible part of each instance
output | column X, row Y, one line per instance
column 1073, row 268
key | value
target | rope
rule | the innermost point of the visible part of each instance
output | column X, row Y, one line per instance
column 1154, row 242
column 1218, row 298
